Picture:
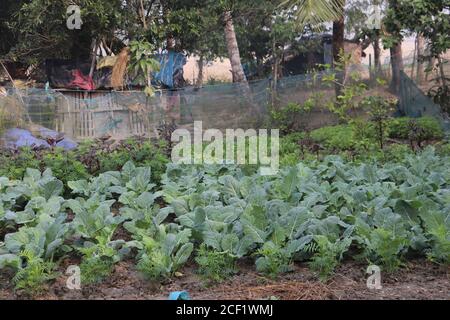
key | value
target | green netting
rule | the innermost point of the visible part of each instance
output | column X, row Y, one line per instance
column 414, row 103
column 85, row 115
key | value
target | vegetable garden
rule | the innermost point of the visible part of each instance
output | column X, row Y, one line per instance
column 94, row 95
column 164, row 219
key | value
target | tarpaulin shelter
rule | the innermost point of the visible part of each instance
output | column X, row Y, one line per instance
column 73, row 74
column 171, row 69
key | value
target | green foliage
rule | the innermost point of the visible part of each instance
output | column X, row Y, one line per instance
column 291, row 118
column 36, row 273
column 95, row 269
column 31, row 251
column 100, row 157
column 388, row 242
column 27, row 20
column 350, row 89
column 142, row 64
column 315, row 13
column 443, row 149
column 437, row 225
column 313, row 213
column 379, row 110
column 372, row 203
column 91, row 158
column 396, row 152
column 336, row 137
column 65, row 165
column 164, row 254
column 327, row 255
column 14, row 166
column 99, row 258
column 273, row 260
column 214, row 266
column 357, row 138
column 427, row 17
column 363, row 139
column 399, row 128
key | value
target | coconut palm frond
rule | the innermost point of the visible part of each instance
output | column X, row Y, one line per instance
column 315, row 12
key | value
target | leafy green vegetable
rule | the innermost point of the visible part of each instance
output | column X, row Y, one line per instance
column 214, row 266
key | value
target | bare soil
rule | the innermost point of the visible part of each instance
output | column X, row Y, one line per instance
column 419, row 280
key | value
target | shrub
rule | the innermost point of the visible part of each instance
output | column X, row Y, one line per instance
column 293, row 117
column 89, row 159
column 444, row 149
column 336, row 137
column 396, row 152
column 100, row 157
column 14, row 164
column 64, row 164
column 399, row 128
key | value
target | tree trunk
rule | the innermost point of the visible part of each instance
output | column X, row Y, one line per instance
column 397, row 67
column 396, row 54
column 377, row 55
column 143, row 15
column 420, row 57
column 93, row 58
column 338, row 38
column 441, row 71
column 338, row 47
column 200, row 72
column 233, row 49
column 415, row 58
column 431, row 68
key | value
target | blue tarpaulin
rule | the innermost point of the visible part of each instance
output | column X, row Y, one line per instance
column 17, row 138
column 171, row 63
column 179, row 295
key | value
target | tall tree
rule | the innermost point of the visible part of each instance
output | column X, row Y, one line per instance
column 394, row 43
column 233, row 48
column 377, row 52
column 420, row 58
column 430, row 18
column 316, row 13
column 339, row 32
column 339, row 45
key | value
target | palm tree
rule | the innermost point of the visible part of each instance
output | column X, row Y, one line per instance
column 317, row 12
column 339, row 31
column 308, row 12
column 233, row 49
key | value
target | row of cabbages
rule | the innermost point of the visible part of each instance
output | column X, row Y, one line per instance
column 320, row 214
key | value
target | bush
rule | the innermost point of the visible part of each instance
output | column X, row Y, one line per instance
column 291, row 118
column 337, row 137
column 444, row 149
column 64, row 164
column 90, row 158
column 14, row 164
column 100, row 157
column 399, row 128
column 396, row 152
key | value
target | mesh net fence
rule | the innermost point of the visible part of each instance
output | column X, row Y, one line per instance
column 85, row 115
column 414, row 103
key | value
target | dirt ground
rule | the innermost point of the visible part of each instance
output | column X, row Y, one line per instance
column 417, row 280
